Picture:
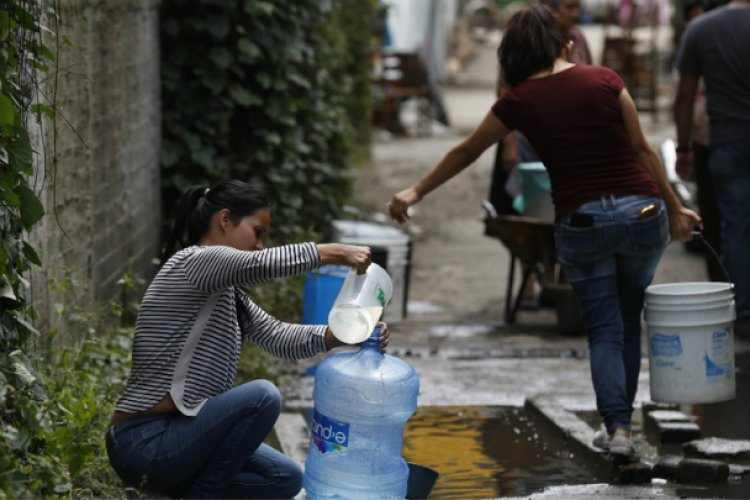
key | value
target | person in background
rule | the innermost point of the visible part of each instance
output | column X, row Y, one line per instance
column 707, row 206
column 614, row 207
column 567, row 13
column 180, row 428
column 716, row 46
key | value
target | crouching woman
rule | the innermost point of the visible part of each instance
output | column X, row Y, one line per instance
column 180, row 428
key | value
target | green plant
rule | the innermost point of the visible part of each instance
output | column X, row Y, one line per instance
column 264, row 90
column 85, row 380
column 24, row 405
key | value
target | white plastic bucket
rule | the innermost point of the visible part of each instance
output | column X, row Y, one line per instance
column 397, row 246
column 691, row 342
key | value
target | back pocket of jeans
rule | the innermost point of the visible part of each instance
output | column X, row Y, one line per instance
column 577, row 244
column 147, row 438
column 651, row 233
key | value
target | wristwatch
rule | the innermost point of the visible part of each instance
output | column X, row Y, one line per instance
column 684, row 148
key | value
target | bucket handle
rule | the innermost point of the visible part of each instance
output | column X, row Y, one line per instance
column 699, row 236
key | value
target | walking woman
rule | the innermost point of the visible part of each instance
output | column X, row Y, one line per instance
column 614, row 208
column 180, row 428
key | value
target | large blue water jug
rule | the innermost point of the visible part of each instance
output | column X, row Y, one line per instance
column 362, row 402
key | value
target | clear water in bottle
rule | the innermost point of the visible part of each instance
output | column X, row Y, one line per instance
column 362, row 402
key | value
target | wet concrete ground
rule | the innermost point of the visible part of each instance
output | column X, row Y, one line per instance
column 454, row 334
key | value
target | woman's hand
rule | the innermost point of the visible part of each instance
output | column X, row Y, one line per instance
column 681, row 224
column 400, row 203
column 685, row 166
column 355, row 256
column 385, row 333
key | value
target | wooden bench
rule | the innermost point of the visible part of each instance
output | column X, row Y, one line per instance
column 401, row 76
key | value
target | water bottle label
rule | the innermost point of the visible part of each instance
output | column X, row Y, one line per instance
column 381, row 296
column 329, row 435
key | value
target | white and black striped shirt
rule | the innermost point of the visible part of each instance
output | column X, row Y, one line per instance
column 162, row 355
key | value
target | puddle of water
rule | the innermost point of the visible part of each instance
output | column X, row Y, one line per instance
column 421, row 307
column 483, row 452
column 461, row 331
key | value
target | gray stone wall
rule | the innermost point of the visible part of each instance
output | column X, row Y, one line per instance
column 99, row 178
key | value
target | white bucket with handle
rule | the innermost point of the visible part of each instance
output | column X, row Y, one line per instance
column 691, row 342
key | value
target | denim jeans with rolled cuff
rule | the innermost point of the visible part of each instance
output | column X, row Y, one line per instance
column 730, row 172
column 609, row 264
column 217, row 453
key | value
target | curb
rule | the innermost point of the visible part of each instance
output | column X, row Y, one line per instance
column 691, row 468
column 575, row 432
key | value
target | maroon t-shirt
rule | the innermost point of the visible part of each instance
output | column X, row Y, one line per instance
column 573, row 120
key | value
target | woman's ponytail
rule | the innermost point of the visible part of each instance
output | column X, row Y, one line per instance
column 183, row 214
column 197, row 206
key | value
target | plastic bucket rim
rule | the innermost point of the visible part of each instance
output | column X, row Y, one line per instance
column 658, row 289
column 660, row 324
column 709, row 301
column 695, row 306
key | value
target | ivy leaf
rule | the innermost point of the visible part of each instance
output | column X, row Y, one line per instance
column 30, row 254
column 218, row 26
column 299, row 81
column 62, row 488
column 221, row 57
column 16, row 439
column 215, row 81
column 6, row 290
column 43, row 108
column 248, row 49
column 21, row 369
column 273, row 138
column 20, row 153
column 203, row 157
column 254, row 8
column 31, row 208
column 7, row 111
column 242, row 96
column 3, row 388
column 170, row 153
column 28, row 326
column 263, row 79
column 5, row 25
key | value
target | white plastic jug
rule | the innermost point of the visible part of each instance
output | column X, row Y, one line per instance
column 360, row 304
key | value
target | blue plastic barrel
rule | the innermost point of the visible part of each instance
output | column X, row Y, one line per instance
column 320, row 291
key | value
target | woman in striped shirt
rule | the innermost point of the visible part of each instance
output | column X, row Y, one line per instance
column 180, row 428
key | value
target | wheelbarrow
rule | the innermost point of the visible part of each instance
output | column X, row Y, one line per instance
column 532, row 242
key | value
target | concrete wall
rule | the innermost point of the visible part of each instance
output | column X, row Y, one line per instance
column 101, row 186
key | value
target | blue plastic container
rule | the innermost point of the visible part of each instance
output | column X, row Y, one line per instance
column 319, row 293
column 362, row 402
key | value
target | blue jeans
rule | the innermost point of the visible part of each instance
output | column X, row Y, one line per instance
column 730, row 173
column 609, row 264
column 218, row 453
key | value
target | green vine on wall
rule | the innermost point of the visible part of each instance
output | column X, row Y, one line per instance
column 24, row 421
column 269, row 91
